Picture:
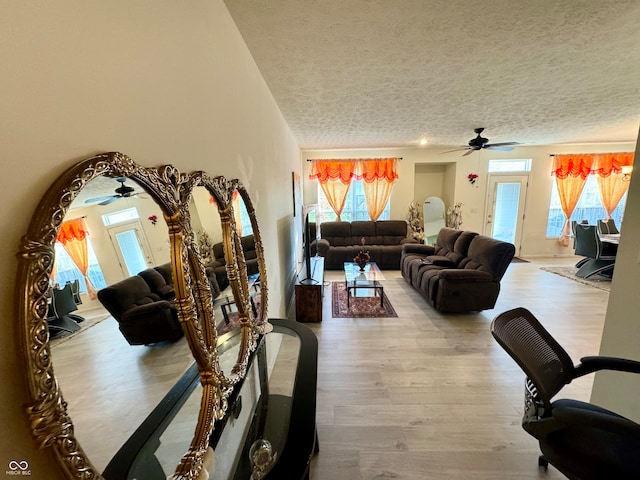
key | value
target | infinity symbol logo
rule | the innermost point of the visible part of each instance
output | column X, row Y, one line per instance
column 13, row 465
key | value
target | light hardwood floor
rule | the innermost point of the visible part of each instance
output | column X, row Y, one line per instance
column 420, row 396
column 432, row 396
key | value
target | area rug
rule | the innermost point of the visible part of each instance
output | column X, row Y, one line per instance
column 360, row 307
column 91, row 320
column 597, row 281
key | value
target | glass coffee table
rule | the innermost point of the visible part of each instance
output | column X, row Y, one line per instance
column 369, row 279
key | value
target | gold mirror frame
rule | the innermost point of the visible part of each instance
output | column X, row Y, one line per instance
column 50, row 423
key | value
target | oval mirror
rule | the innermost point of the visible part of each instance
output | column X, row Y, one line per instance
column 123, row 233
column 115, row 187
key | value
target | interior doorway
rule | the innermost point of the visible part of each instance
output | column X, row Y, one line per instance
column 506, row 200
column 132, row 247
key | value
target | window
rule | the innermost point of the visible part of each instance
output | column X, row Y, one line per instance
column 510, row 165
column 66, row 270
column 120, row 216
column 355, row 206
column 588, row 208
column 245, row 220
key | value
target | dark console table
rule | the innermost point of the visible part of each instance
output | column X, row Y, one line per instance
column 276, row 401
column 309, row 293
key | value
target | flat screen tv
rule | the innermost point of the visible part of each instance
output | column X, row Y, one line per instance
column 308, row 236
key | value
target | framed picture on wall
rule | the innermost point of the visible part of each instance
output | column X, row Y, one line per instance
column 297, row 193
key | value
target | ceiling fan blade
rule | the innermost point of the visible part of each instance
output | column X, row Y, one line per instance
column 98, row 199
column 500, row 144
column 455, row 150
column 114, row 198
column 503, row 149
column 469, row 152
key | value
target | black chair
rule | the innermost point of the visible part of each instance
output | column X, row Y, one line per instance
column 600, row 257
column 60, row 319
column 580, row 439
column 75, row 289
column 607, row 227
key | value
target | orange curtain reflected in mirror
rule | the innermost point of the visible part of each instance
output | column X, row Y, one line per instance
column 73, row 237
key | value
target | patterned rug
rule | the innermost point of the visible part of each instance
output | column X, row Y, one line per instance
column 360, row 307
column 597, row 281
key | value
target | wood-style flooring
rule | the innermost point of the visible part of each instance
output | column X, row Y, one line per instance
column 420, row 396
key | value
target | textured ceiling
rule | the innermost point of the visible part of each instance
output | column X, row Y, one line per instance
column 384, row 73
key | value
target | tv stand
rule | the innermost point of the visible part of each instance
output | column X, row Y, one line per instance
column 309, row 293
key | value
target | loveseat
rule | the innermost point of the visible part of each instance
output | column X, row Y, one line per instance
column 340, row 242
column 460, row 273
column 216, row 270
column 143, row 306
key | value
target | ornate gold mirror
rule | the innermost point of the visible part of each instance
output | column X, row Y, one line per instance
column 173, row 193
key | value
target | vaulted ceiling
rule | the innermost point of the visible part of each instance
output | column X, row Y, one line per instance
column 386, row 73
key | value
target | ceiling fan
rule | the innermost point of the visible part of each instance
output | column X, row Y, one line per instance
column 480, row 142
column 123, row 191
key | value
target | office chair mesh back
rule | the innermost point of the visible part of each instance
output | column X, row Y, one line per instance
column 546, row 364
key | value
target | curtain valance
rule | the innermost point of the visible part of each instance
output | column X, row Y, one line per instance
column 75, row 229
column 582, row 165
column 345, row 169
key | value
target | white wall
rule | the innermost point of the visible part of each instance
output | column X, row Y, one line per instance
column 621, row 336
column 417, row 162
column 161, row 81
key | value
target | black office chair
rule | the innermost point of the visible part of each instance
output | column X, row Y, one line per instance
column 580, row 439
column 600, row 256
column 60, row 319
column 607, row 227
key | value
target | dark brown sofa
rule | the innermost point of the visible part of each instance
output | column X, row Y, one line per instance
column 460, row 273
column 217, row 269
column 340, row 242
column 143, row 306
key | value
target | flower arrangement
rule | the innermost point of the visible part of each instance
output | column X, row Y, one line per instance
column 153, row 219
column 454, row 216
column 472, row 178
column 416, row 222
column 362, row 257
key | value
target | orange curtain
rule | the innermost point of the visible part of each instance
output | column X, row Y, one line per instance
column 334, row 177
column 571, row 174
column 73, row 236
column 378, row 176
column 611, row 184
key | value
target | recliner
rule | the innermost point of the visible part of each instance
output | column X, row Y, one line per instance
column 582, row 440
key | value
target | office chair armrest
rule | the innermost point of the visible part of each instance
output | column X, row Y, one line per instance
column 571, row 412
column 595, row 363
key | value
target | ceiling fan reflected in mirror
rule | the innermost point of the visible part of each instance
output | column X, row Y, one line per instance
column 123, row 191
column 479, row 142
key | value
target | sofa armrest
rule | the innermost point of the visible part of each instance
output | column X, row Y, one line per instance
column 418, row 248
column 323, row 247
column 465, row 275
column 409, row 240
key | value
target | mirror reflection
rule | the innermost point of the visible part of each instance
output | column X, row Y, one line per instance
column 126, row 348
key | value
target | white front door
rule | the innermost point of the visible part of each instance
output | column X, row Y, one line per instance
column 505, row 207
column 132, row 248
